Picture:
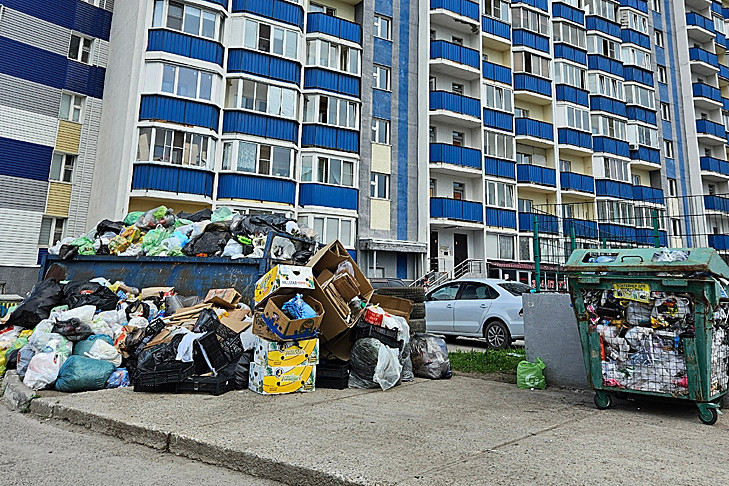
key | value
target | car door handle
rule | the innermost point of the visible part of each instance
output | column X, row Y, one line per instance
column 483, row 306
column 449, row 306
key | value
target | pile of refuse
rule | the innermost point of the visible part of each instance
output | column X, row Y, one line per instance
column 222, row 232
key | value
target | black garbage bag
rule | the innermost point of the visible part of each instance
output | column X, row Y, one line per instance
column 253, row 225
column 72, row 329
column 11, row 359
column 242, row 371
column 365, row 353
column 302, row 256
column 67, row 252
column 206, row 321
column 43, row 297
column 80, row 293
column 210, row 242
column 159, row 357
column 108, row 226
column 202, row 215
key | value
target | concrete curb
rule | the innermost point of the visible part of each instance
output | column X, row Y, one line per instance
column 15, row 394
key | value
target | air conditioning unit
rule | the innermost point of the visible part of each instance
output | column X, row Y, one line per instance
column 633, row 146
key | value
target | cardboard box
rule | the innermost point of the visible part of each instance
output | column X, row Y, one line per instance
column 340, row 347
column 283, row 277
column 237, row 318
column 346, row 286
column 286, row 354
column 225, row 298
column 323, row 264
column 289, row 329
column 154, row 292
column 394, row 305
column 268, row 380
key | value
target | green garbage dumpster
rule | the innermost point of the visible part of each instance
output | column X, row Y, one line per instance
column 653, row 322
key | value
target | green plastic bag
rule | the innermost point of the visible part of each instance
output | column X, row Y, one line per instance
column 221, row 214
column 159, row 212
column 529, row 375
column 153, row 238
column 132, row 218
column 182, row 222
column 85, row 246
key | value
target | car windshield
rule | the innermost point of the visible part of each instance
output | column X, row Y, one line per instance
column 515, row 288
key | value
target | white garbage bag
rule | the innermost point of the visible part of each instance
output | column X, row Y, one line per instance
column 388, row 368
column 43, row 370
column 104, row 351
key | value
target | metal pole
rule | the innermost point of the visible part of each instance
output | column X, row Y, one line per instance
column 604, row 243
column 537, row 256
column 573, row 239
column 656, row 234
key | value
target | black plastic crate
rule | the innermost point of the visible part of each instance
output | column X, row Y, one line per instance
column 168, row 374
column 215, row 385
column 388, row 337
column 332, row 374
column 222, row 347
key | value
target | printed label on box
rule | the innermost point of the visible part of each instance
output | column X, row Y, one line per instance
column 639, row 292
column 286, row 353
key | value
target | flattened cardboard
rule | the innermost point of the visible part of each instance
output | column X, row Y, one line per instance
column 268, row 380
column 283, row 278
column 225, row 298
column 346, row 286
column 237, row 318
column 288, row 327
column 394, row 305
column 154, row 292
column 286, row 354
column 340, row 347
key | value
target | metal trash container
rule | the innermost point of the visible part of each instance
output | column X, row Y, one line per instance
column 653, row 322
column 8, row 302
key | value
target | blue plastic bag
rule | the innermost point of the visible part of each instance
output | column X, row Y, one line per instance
column 80, row 373
column 82, row 347
column 296, row 308
column 118, row 378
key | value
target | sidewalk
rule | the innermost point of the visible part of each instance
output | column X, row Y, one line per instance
column 466, row 430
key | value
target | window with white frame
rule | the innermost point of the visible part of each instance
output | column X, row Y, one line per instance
column 597, row 44
column 643, row 135
column 332, row 55
column 317, row 8
column 634, row 21
column 658, row 37
column 263, row 37
column 381, row 131
column 569, row 34
column 62, row 167
column 382, row 27
column 181, row 81
column 262, row 97
column 80, row 49
column 331, row 110
column 656, row 5
column 602, row 85
column 616, row 169
column 718, row 24
column 498, row 98
column 569, row 74
column 327, row 170
column 95, row 3
column 499, row 246
column 725, row 118
column 574, row 117
column 330, row 228
column 602, row 8
column 499, row 145
column 51, row 230
column 381, row 77
column 187, row 18
column 662, row 78
column 500, row 194
column 618, row 212
column 640, row 95
column 527, row 62
column 668, row 149
column 175, row 147
column 258, row 158
column 497, row 9
column 637, row 57
column 379, row 185
column 531, row 20
column 608, row 126
column 72, row 107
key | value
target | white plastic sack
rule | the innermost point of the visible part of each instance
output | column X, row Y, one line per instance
column 7, row 338
column 248, row 339
column 56, row 249
column 43, row 370
column 388, row 369
column 184, row 349
column 41, row 334
column 112, row 320
column 138, row 322
column 105, row 352
column 85, row 314
column 282, row 248
column 233, row 249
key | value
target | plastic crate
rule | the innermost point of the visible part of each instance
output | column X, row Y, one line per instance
column 215, row 385
column 164, row 378
column 333, row 374
column 388, row 337
column 222, row 347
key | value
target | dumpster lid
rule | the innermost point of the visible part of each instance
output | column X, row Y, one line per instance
column 648, row 260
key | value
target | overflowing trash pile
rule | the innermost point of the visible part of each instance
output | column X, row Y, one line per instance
column 222, row 233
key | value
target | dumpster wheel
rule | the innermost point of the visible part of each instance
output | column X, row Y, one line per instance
column 708, row 414
column 603, row 400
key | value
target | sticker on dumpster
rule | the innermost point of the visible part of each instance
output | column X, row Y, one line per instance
column 638, row 292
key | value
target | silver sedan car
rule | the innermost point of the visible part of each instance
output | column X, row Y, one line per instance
column 477, row 307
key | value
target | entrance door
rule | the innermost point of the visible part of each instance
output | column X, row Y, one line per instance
column 460, row 252
column 433, row 251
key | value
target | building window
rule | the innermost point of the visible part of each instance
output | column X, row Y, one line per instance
column 51, row 230
column 631, row 55
column 459, row 191
column 331, row 55
column 602, row 85
column 432, row 134
column 181, row 81
column 662, row 74
column 656, row 6
column 432, row 83
column 379, row 186
column 608, row 127
column 62, row 167
column 569, row 74
column 382, row 27
column 565, row 165
column 522, row 18
column 458, row 138
column 712, row 189
column 521, row 113
column 262, row 97
column 526, row 62
column 432, row 187
column 500, row 194
column 573, row 117
column 668, row 149
column 316, row 8
column 602, row 8
column 569, row 34
column 263, row 37
column 643, row 135
column 498, row 9
column 597, row 44
column 327, row 170
column 381, row 77
column 658, row 38
column 80, row 49
column 329, row 110
column 672, row 189
column 457, row 88
column 186, row 18
column 639, row 95
column 665, row 111
column 676, row 226
column 258, row 158
column 498, row 98
column 457, row 40
column 499, row 145
column 380, row 131
column 635, row 21
column 616, row 169
column 72, row 106
column 330, row 228
column 636, row 180
column 506, row 247
column 175, row 147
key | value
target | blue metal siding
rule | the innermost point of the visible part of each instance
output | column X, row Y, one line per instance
column 501, row 218
column 156, row 107
column 450, row 154
column 496, row 72
column 328, row 196
column 634, row 37
column 577, row 182
column 222, row 3
column 546, row 223
column 593, row 22
column 180, row 180
column 532, row 83
column 185, row 45
column 315, row 78
column 569, row 136
column 609, row 105
column 719, row 242
column 465, row 8
column 314, row 135
column 85, row 79
column 24, row 159
column 90, row 20
column 245, row 61
column 650, row 194
column 445, row 100
column 499, row 167
column 441, row 49
column 540, row 4
column 260, row 125
column 403, row 127
column 641, row 114
column 381, row 104
column 571, row 94
column 383, row 7
column 610, row 146
column 715, row 165
column 334, row 26
column 280, row 10
column 566, row 51
column 568, row 12
column 441, row 207
column 536, row 175
column 602, row 63
column 402, row 265
column 646, row 153
column 71, row 14
column 641, row 5
column 256, row 188
column 529, row 39
column 382, row 51
column 583, row 228
column 498, row 119
column 496, row 27
column 710, row 128
column 632, row 73
column 534, row 128
column 608, row 188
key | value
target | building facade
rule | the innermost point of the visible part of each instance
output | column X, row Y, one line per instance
column 51, row 84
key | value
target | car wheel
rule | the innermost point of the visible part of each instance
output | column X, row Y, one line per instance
column 497, row 335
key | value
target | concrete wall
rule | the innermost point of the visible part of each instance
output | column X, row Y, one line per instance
column 18, row 280
column 550, row 333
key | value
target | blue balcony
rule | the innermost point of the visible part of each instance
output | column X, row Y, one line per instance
column 546, row 223
column 638, row 113
column 328, row 196
column 646, row 236
column 609, row 105
column 172, row 178
column 725, row 104
column 698, row 20
column 260, row 64
column 456, row 209
column 535, row 174
column 498, row 119
column 534, row 128
column 279, row 10
column 501, row 218
column 441, row 49
column 723, row 72
column 314, row 135
column 593, row 22
column 712, row 164
column 540, row 4
column 717, row 8
column 572, row 181
column 708, row 127
column 175, row 110
column 617, row 232
column 610, row 146
column 648, row 194
column 496, row 72
column 639, row 75
column 334, row 26
column 256, row 188
column 719, row 242
column 530, row 39
column 602, row 63
column 716, row 203
column 496, row 27
column 646, row 154
column 572, row 94
column 185, row 45
column 445, row 100
column 576, row 138
column 460, row 156
column 568, row 12
column 583, row 228
column 464, row 8
column 260, row 125
column 700, row 55
column 632, row 37
column 528, row 82
column 566, row 51
column 608, row 188
column 641, row 5
column 499, row 167
column 315, row 78
column 702, row 90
